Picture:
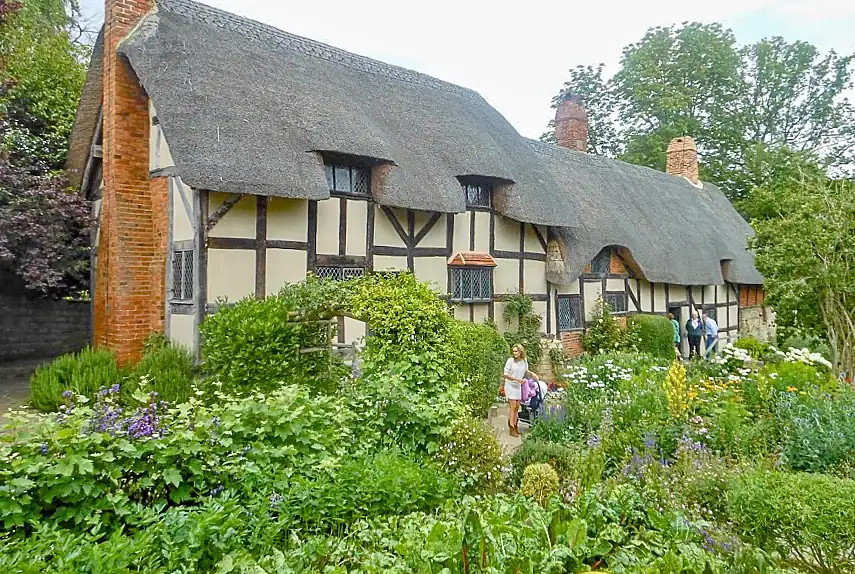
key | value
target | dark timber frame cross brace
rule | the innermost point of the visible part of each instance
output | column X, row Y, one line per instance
column 411, row 238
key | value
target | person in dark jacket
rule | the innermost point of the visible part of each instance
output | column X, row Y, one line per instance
column 694, row 328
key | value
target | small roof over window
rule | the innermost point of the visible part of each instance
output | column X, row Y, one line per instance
column 471, row 259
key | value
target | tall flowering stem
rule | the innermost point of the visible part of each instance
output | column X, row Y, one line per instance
column 677, row 390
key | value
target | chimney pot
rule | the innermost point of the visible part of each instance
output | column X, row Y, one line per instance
column 682, row 159
column 571, row 123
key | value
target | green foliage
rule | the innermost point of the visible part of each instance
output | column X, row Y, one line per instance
column 655, row 334
column 480, row 354
column 82, row 373
column 473, row 452
column 374, row 485
column 809, row 518
column 603, row 334
column 756, row 349
column 256, row 343
column 757, row 112
column 518, row 312
column 808, row 262
column 41, row 79
column 71, row 473
column 539, row 482
column 814, row 344
column 562, row 457
column 166, row 369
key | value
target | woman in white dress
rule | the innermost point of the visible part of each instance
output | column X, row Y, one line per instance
column 516, row 369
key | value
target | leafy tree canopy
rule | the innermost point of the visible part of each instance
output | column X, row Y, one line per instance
column 745, row 106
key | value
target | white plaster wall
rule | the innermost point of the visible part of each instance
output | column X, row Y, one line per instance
column 677, row 293
column 239, row 221
column 507, row 234
column 659, row 298
column 539, row 308
column 506, row 276
column 461, row 312
column 433, row 270
column 231, row 274
column 96, row 213
column 436, row 236
column 571, row 289
column 593, row 290
column 287, row 219
column 532, row 243
column 482, row 312
column 284, row 266
column 482, row 232
column 535, row 277
column 461, row 232
column 709, row 294
column 389, row 263
column 353, row 330
column 328, row 214
column 384, row 232
column 181, row 330
column 615, row 285
column 182, row 224
column 158, row 150
column 357, row 227
column 642, row 293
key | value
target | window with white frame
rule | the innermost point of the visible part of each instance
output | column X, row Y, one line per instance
column 569, row 312
column 471, row 284
column 617, row 301
column 339, row 272
column 349, row 179
column 478, row 195
column 182, row 275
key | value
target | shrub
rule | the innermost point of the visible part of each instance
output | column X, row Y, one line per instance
column 255, row 344
column 480, row 354
column 810, row 518
column 811, row 343
column 82, row 373
column 562, row 457
column 756, row 349
column 518, row 310
column 654, row 334
column 540, row 483
column 604, row 333
column 165, row 368
column 369, row 486
column 474, row 453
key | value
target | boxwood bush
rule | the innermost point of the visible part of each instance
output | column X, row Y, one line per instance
column 82, row 373
column 654, row 334
column 480, row 353
column 165, row 368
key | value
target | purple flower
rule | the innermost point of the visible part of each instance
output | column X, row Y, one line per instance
column 594, row 441
column 67, row 394
column 44, row 448
column 649, row 441
column 218, row 490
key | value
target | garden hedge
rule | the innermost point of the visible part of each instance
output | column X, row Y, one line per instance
column 655, row 334
column 480, row 355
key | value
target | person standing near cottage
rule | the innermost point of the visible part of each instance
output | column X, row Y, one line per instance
column 694, row 329
column 676, row 326
column 711, row 330
column 516, row 369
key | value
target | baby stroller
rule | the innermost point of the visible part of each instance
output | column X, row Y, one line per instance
column 530, row 408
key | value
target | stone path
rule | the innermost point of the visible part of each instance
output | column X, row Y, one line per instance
column 15, row 384
column 499, row 421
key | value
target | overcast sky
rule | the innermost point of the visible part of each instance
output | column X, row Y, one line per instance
column 517, row 55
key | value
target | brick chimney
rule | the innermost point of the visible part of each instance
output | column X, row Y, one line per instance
column 682, row 158
column 571, row 123
column 129, row 290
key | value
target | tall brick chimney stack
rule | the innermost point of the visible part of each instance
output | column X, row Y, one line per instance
column 571, row 123
column 129, row 290
column 682, row 158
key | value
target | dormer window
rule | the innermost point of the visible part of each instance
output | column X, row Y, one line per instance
column 348, row 179
column 602, row 262
column 478, row 195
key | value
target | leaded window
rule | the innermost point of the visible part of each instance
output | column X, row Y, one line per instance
column 569, row 312
column 617, row 301
column 472, row 284
column 343, row 178
column 339, row 273
column 602, row 262
column 182, row 275
column 478, row 195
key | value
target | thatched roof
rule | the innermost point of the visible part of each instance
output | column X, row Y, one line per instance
column 243, row 106
column 676, row 232
column 247, row 108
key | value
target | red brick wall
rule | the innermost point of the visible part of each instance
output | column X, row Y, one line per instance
column 131, row 256
column 571, row 124
column 616, row 264
column 572, row 343
column 751, row 295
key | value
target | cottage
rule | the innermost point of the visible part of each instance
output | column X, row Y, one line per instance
column 225, row 158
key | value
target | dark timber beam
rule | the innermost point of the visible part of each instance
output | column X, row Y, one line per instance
column 222, row 210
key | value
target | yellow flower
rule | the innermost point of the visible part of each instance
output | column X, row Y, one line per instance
column 791, row 389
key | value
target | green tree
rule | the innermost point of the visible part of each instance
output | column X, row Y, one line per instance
column 42, row 70
column 806, row 251
column 743, row 105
